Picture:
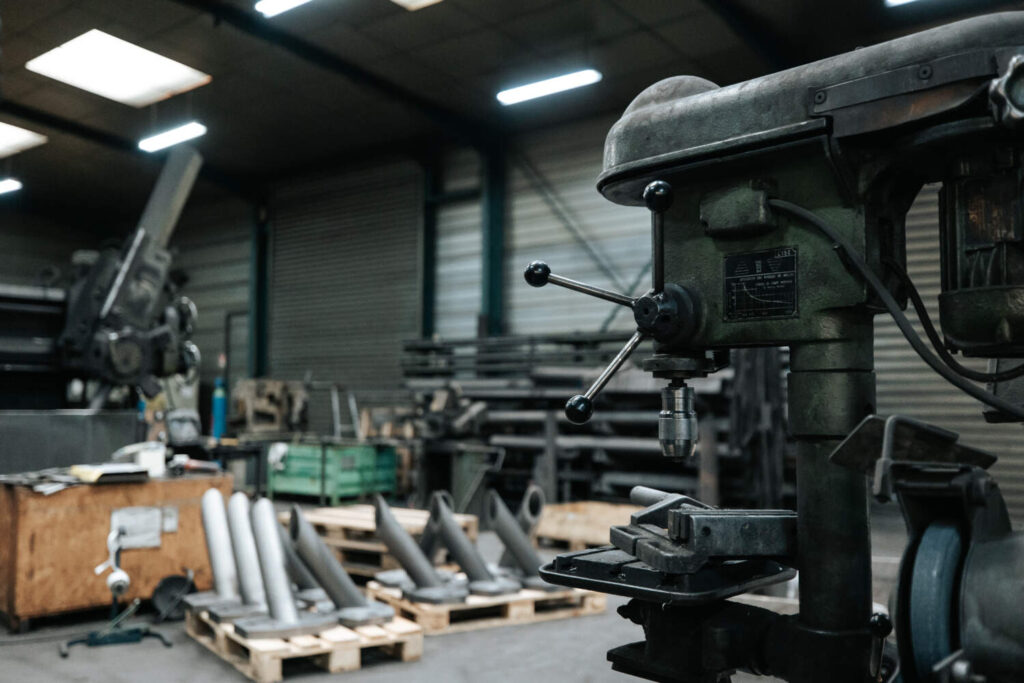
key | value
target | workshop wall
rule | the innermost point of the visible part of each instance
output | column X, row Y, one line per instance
column 31, row 244
column 213, row 244
column 552, row 175
column 345, row 278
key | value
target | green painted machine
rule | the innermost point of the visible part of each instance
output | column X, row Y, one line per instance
column 777, row 209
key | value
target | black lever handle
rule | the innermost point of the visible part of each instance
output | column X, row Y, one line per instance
column 538, row 274
column 579, row 408
column 658, row 314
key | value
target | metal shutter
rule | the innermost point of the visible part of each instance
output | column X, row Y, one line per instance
column 213, row 242
column 906, row 385
column 570, row 159
column 345, row 278
column 459, row 244
column 31, row 244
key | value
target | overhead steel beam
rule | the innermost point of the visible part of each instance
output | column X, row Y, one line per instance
column 255, row 25
column 754, row 33
column 230, row 182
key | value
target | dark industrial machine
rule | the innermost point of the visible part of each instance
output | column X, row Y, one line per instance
column 777, row 209
column 120, row 322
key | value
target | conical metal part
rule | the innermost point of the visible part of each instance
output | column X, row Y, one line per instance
column 429, row 587
column 528, row 517
column 284, row 620
column 250, row 579
column 353, row 608
column 481, row 580
column 516, row 543
column 222, row 559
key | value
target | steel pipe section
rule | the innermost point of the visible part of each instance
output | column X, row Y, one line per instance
column 218, row 547
column 284, row 619
column 250, row 580
column 308, row 591
column 528, row 516
column 354, row 609
column 429, row 587
column 481, row 580
column 516, row 543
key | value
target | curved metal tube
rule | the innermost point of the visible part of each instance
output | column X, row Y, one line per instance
column 461, row 548
column 323, row 564
column 243, row 544
column 528, row 516
column 403, row 547
column 430, row 541
column 280, row 600
column 298, row 572
column 218, row 545
column 511, row 534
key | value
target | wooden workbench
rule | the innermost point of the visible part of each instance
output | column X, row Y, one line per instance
column 49, row 545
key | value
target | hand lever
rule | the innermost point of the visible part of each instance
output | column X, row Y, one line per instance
column 659, row 314
column 579, row 408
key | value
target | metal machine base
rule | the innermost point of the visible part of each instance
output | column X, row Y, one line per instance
column 498, row 586
column 372, row 613
column 399, row 578
column 438, row 595
column 268, row 627
column 227, row 612
column 203, row 600
column 610, row 570
column 312, row 596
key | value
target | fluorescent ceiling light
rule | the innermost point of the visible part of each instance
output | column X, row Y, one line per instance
column 549, row 87
column 9, row 185
column 413, row 5
column 14, row 140
column 897, row 3
column 271, row 8
column 174, row 136
column 116, row 69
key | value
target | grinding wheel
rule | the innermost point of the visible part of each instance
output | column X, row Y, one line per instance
column 933, row 603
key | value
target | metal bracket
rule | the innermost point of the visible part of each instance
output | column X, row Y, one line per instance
column 877, row 443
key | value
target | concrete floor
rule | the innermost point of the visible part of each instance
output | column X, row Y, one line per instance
column 569, row 650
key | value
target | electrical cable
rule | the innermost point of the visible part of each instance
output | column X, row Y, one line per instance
column 852, row 258
column 936, row 339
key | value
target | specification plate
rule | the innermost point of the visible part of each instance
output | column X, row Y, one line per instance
column 761, row 284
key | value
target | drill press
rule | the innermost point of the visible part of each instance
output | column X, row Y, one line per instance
column 777, row 211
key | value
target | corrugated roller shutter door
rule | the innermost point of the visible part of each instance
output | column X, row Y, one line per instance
column 214, row 248
column 345, row 278
column 570, row 159
column 459, row 244
column 907, row 386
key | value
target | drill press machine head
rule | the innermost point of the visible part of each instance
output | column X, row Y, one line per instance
column 777, row 212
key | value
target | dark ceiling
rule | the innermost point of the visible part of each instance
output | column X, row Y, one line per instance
column 412, row 77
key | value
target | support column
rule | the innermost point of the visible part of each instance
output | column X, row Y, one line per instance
column 259, row 291
column 831, row 389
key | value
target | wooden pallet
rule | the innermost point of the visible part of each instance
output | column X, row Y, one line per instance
column 351, row 530
column 480, row 612
column 580, row 525
column 335, row 650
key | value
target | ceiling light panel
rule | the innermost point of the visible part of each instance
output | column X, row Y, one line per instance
column 413, row 5
column 174, row 136
column 116, row 69
column 9, row 185
column 271, row 8
column 549, row 86
column 14, row 139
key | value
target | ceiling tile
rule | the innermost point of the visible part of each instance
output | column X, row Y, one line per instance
column 19, row 16
column 470, row 54
column 654, row 12
column 699, row 35
column 350, row 44
column 497, row 11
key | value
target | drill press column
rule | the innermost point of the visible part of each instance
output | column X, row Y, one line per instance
column 832, row 388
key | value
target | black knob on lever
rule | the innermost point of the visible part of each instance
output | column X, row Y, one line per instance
column 537, row 273
column 579, row 409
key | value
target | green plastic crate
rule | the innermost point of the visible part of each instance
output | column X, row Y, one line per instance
column 350, row 471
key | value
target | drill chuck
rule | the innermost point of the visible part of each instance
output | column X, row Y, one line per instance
column 677, row 422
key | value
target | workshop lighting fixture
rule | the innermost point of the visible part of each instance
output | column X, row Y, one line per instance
column 271, row 8
column 897, row 3
column 14, row 139
column 116, row 69
column 9, row 185
column 550, row 86
column 174, row 136
column 413, row 5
